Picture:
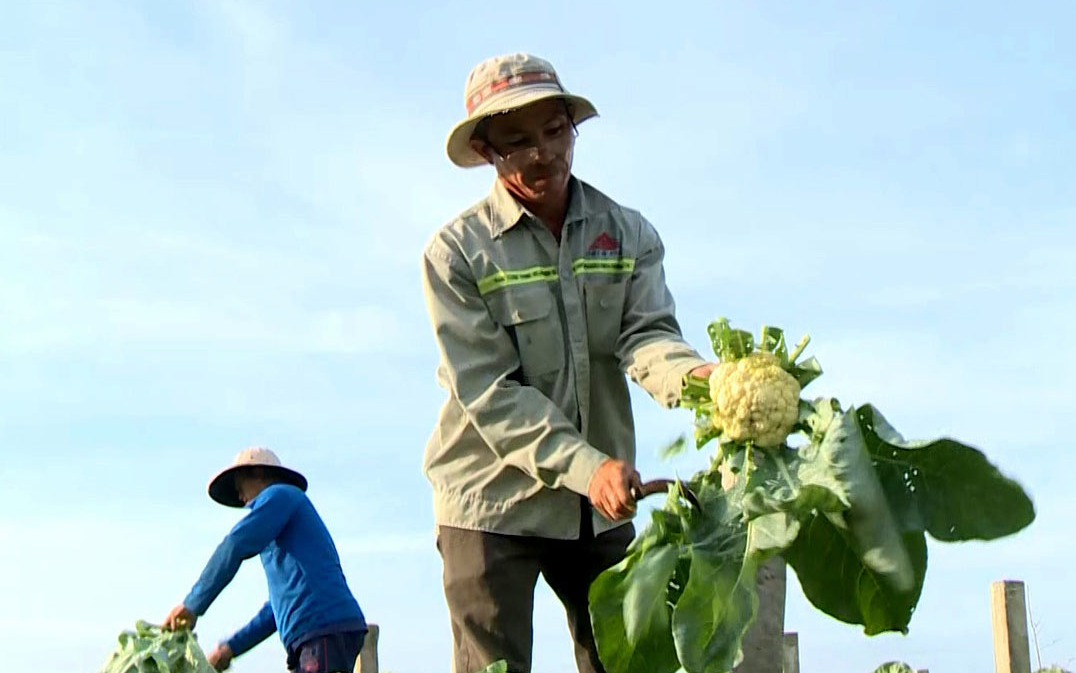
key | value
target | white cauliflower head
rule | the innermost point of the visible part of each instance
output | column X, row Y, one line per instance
column 755, row 399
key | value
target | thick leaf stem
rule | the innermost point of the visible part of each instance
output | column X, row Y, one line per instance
column 783, row 467
column 748, row 461
column 800, row 347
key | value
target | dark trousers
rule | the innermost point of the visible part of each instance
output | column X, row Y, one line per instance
column 328, row 653
column 489, row 582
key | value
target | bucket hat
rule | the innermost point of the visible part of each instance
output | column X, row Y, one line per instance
column 503, row 84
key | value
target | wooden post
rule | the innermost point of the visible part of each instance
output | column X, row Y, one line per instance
column 790, row 661
column 367, row 662
column 762, row 645
column 1009, row 608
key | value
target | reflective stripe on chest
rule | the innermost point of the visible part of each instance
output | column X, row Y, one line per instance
column 610, row 267
column 545, row 274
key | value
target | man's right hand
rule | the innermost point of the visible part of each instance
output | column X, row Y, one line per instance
column 179, row 618
column 610, row 489
column 221, row 658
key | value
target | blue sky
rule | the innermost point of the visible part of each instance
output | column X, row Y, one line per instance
column 211, row 216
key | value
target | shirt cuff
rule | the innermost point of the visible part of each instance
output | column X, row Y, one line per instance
column 583, row 467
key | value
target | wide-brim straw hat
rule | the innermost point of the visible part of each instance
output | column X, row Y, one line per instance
column 504, row 84
column 222, row 487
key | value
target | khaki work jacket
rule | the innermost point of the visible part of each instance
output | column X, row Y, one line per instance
column 537, row 340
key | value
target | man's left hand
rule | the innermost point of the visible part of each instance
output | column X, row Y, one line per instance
column 703, row 371
column 221, row 658
column 180, row 618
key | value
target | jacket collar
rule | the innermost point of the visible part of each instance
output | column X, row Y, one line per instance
column 506, row 212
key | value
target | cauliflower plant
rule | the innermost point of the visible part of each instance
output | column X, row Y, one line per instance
column 755, row 399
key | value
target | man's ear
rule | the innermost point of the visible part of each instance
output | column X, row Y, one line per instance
column 483, row 149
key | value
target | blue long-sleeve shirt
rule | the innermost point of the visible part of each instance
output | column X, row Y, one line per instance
column 308, row 594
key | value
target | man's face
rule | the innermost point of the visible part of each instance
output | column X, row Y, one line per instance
column 532, row 150
column 250, row 483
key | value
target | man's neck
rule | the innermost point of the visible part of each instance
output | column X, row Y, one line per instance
column 551, row 214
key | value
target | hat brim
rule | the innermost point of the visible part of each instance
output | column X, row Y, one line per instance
column 223, row 490
column 459, row 147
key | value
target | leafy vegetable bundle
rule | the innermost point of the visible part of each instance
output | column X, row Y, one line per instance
column 848, row 508
column 150, row 649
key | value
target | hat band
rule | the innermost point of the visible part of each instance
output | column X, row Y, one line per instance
column 511, row 82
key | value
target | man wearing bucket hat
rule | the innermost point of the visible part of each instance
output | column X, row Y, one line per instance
column 545, row 297
column 310, row 605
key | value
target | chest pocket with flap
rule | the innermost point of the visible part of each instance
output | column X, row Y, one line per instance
column 531, row 317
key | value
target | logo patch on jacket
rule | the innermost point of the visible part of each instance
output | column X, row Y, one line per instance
column 604, row 247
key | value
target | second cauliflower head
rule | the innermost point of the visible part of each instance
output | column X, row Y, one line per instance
column 755, row 399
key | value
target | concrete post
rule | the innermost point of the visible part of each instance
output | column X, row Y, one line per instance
column 367, row 661
column 763, row 645
column 1009, row 610
column 790, row 662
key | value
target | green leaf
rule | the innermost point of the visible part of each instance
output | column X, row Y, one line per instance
column 720, row 599
column 500, row 666
column 854, row 558
column 122, row 662
column 772, row 534
column 836, row 581
column 159, row 656
column 839, row 461
column 695, row 395
column 195, row 657
column 695, row 391
column 674, row 448
column 782, row 481
column 805, row 372
column 729, row 344
column 894, row 667
column 710, row 619
column 948, row 489
column 705, row 432
column 773, row 341
column 150, row 649
column 631, row 615
column 645, row 600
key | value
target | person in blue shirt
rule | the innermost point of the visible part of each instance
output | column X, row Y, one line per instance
column 319, row 621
